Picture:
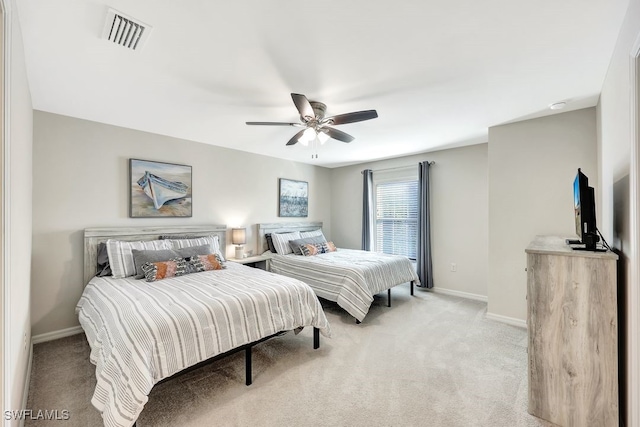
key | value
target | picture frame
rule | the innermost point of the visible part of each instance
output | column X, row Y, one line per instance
column 293, row 198
column 159, row 189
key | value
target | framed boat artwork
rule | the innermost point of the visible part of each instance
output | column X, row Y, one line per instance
column 158, row 189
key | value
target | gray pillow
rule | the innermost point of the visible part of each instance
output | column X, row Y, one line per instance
column 104, row 269
column 193, row 251
column 295, row 244
column 142, row 257
column 270, row 243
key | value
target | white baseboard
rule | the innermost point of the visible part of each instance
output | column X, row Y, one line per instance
column 461, row 294
column 27, row 380
column 508, row 320
column 50, row 336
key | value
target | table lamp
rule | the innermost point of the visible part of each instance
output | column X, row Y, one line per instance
column 239, row 238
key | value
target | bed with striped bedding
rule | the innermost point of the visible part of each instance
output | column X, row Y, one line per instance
column 348, row 277
column 141, row 333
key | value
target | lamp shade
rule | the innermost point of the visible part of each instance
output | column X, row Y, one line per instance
column 238, row 236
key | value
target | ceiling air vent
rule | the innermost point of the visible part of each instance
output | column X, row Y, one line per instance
column 125, row 31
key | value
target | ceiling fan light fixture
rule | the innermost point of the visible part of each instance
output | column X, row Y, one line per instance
column 323, row 137
column 317, row 125
column 307, row 136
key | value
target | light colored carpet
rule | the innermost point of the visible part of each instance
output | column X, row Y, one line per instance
column 429, row 360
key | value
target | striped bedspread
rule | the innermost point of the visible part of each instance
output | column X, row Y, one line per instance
column 142, row 332
column 348, row 277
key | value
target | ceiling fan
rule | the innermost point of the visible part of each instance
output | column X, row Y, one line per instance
column 315, row 124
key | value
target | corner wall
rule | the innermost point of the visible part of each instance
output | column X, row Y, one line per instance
column 80, row 175
column 532, row 165
column 20, row 139
column 459, row 214
column 615, row 142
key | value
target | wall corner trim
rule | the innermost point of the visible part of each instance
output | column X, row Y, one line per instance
column 54, row 335
column 27, row 381
column 508, row 320
column 467, row 295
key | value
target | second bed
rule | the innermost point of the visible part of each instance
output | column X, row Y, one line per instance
column 348, row 277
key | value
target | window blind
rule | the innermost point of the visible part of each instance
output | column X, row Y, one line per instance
column 397, row 218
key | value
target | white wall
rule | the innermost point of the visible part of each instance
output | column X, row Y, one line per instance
column 19, row 214
column 614, row 150
column 459, row 214
column 532, row 165
column 80, row 171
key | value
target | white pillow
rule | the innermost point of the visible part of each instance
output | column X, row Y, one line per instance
column 314, row 233
column 212, row 241
column 121, row 257
column 281, row 241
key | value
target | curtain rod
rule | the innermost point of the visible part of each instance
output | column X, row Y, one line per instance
column 398, row 167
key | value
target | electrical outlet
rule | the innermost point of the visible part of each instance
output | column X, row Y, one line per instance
column 454, row 267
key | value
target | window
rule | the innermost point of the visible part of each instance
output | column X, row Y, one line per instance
column 397, row 217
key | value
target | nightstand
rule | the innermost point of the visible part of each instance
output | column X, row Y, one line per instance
column 254, row 261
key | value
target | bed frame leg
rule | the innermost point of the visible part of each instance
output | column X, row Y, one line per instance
column 389, row 297
column 316, row 338
column 357, row 322
column 412, row 287
column 247, row 360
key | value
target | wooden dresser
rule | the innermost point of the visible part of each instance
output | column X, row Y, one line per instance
column 573, row 334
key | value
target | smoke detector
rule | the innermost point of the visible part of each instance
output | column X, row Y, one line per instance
column 558, row 105
column 125, row 31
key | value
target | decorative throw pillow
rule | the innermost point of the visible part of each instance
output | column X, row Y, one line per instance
column 142, row 257
column 310, row 249
column 205, row 263
column 281, row 241
column 121, row 257
column 329, row 247
column 164, row 269
column 295, row 244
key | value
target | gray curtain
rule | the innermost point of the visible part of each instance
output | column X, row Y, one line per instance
column 425, row 272
column 367, row 210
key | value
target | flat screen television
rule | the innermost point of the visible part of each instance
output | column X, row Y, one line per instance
column 585, row 213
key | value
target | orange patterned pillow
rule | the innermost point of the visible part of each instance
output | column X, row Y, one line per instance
column 161, row 270
column 311, row 249
column 330, row 247
column 205, row 263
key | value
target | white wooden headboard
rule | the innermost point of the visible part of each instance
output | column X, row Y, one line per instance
column 283, row 227
column 94, row 236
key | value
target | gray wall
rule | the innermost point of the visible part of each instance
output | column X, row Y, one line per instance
column 459, row 214
column 20, row 124
column 80, row 174
column 614, row 149
column 532, row 165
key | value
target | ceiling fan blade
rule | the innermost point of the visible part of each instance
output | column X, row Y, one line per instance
column 357, row 116
column 274, row 124
column 303, row 106
column 337, row 134
column 294, row 139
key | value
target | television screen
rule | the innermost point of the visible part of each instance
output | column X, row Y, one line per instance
column 576, row 204
column 585, row 212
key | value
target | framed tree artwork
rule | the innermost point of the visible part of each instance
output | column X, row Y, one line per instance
column 293, row 198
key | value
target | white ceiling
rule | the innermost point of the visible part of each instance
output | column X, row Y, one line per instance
column 439, row 72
